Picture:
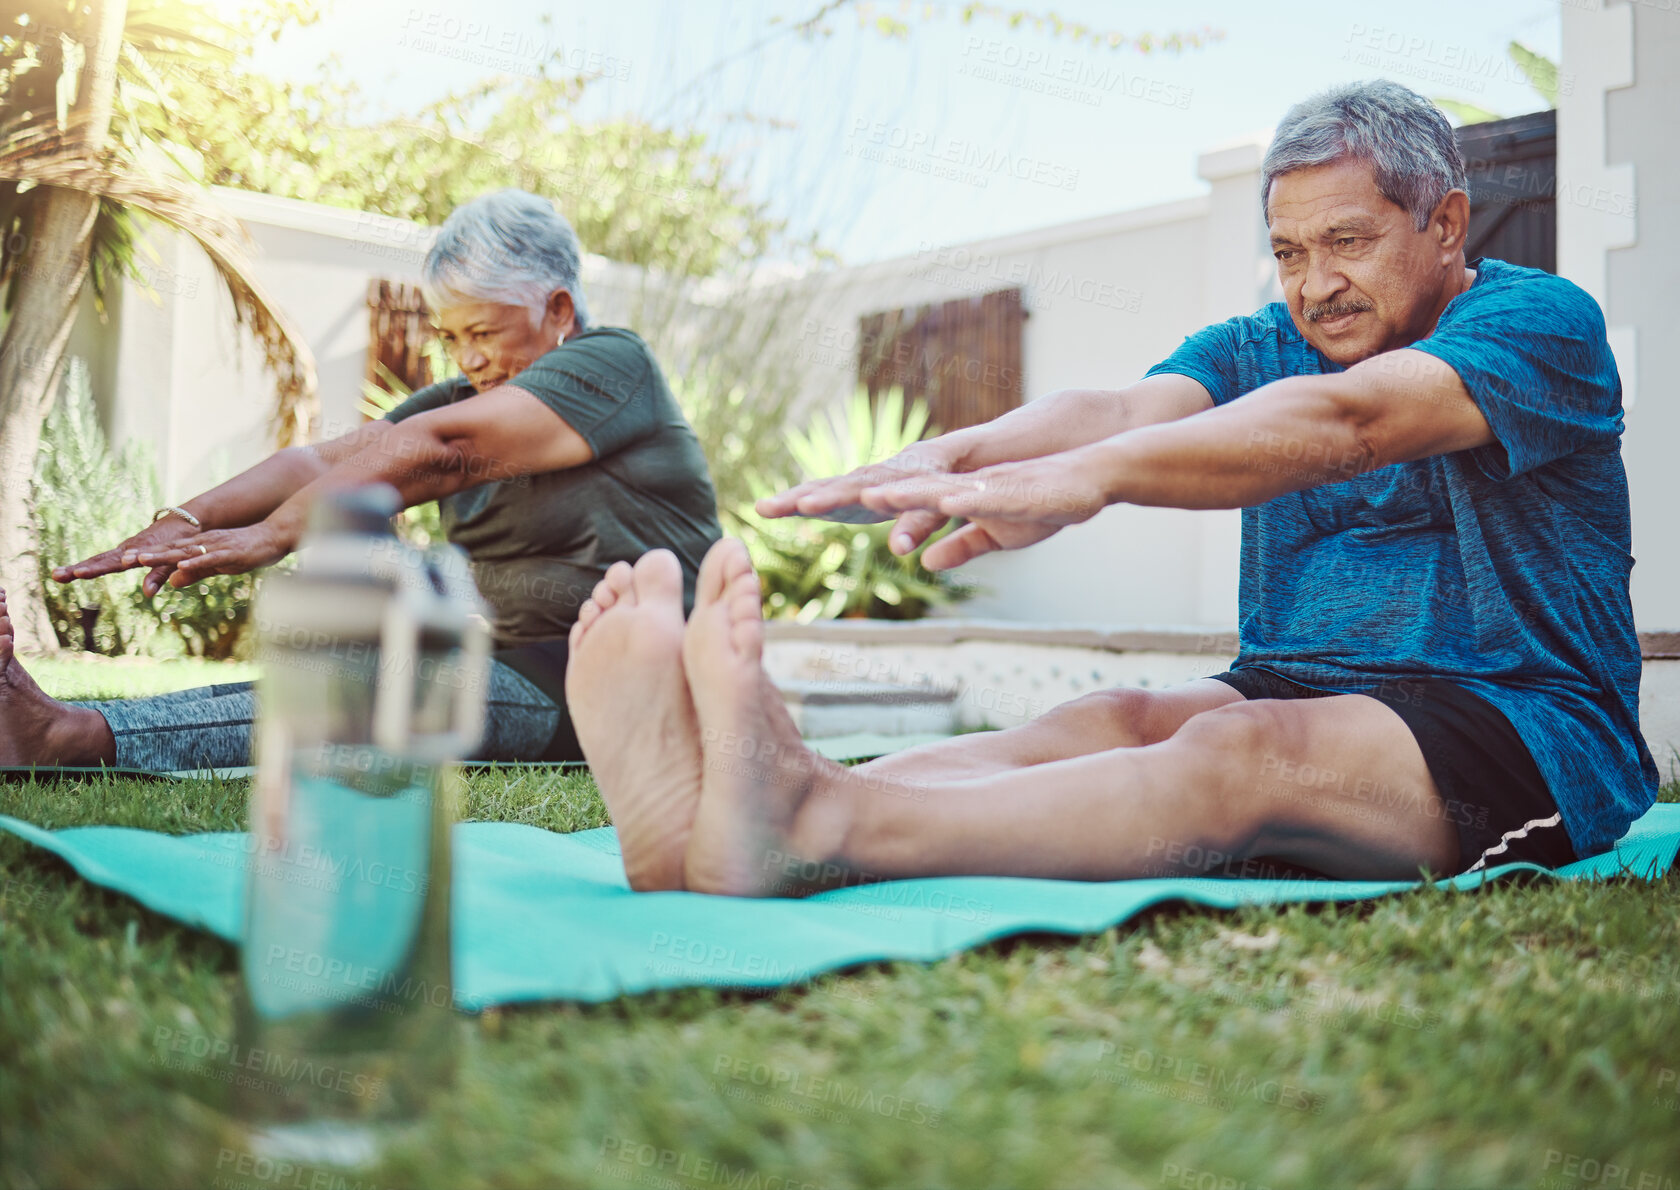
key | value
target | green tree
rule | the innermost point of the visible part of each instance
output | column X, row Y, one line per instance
column 75, row 168
column 1539, row 71
column 635, row 192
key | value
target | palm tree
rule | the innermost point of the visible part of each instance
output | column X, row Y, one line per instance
column 69, row 194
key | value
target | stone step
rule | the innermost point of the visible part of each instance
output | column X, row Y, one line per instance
column 824, row 709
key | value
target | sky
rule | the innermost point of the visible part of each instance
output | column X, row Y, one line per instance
column 961, row 130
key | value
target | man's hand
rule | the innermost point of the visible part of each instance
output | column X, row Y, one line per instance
column 221, row 551
column 160, row 535
column 1009, row 506
column 837, row 498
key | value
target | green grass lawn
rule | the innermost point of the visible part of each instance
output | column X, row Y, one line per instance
column 1523, row 1035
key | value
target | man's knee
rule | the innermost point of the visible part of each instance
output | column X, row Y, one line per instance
column 1102, row 714
column 1229, row 748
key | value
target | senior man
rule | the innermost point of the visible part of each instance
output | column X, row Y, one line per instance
column 557, row 451
column 1438, row 666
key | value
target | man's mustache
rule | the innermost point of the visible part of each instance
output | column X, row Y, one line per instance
column 1323, row 310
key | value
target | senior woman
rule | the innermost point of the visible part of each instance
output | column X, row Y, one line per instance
column 557, row 452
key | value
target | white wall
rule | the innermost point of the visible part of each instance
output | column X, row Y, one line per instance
column 1106, row 298
column 1643, row 285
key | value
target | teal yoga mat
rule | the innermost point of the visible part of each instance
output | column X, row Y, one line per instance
column 544, row 916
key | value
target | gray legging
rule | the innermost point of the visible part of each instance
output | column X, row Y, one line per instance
column 210, row 727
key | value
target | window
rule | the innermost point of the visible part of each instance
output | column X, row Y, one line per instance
column 398, row 328
column 963, row 357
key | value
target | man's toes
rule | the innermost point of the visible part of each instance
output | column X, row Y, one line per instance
column 746, row 598
column 746, row 617
column 614, row 585
column 588, row 614
column 736, row 560
column 714, row 574
column 658, row 575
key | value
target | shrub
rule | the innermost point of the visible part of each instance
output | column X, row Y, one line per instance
column 86, row 497
column 820, row 570
column 740, row 435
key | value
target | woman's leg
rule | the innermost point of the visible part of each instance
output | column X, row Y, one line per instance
column 208, row 727
column 211, row 726
column 521, row 722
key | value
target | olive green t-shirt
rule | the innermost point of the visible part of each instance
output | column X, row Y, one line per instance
column 539, row 543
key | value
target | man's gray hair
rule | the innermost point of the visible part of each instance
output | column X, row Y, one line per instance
column 509, row 247
column 1404, row 138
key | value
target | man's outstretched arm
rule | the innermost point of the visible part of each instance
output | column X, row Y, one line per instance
column 1060, row 421
column 1296, row 433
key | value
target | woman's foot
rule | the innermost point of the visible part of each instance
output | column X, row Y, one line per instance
column 772, row 813
column 36, row 729
column 630, row 706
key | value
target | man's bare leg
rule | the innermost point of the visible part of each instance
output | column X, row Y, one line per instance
column 630, row 706
column 37, row 729
column 1242, row 780
column 1118, row 718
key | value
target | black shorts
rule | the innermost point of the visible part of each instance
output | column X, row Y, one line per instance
column 1491, row 789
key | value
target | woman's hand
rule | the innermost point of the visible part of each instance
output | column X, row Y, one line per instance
column 1008, row 507
column 838, row 498
column 161, row 534
column 220, row 551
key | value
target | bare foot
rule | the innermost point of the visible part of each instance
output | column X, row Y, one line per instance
column 37, row 729
column 629, row 703
column 772, row 812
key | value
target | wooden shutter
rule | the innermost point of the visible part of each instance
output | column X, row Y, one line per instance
column 1512, row 169
column 398, row 327
column 962, row 357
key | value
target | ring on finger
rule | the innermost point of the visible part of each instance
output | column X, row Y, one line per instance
column 203, row 550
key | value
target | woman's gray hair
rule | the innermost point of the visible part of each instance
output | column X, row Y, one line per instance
column 509, row 247
column 1402, row 136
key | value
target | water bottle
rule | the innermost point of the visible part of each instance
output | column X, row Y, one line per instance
column 375, row 661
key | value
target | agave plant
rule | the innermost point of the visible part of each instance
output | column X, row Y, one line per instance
column 822, row 570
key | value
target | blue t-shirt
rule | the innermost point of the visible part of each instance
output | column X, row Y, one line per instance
column 1503, row 569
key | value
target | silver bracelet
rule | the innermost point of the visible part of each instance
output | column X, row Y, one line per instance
column 169, row 509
